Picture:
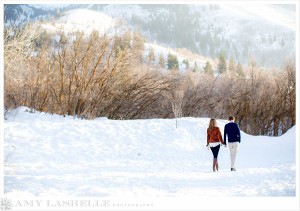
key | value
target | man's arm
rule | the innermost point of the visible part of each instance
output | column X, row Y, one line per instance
column 225, row 132
column 238, row 133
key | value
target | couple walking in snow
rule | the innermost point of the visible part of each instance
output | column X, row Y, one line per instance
column 214, row 140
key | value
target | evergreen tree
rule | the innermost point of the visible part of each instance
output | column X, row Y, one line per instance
column 187, row 64
column 208, row 69
column 231, row 66
column 196, row 68
column 222, row 67
column 162, row 62
column 173, row 61
column 239, row 70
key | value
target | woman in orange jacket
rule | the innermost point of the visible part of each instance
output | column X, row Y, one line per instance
column 214, row 140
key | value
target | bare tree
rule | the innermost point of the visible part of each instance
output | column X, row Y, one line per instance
column 92, row 75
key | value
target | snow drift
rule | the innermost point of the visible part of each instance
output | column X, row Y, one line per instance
column 52, row 155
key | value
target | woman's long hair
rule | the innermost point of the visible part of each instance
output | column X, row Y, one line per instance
column 212, row 124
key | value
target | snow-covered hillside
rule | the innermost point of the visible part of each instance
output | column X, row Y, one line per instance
column 86, row 21
column 273, row 13
column 181, row 56
column 51, row 155
column 83, row 20
column 266, row 32
column 91, row 20
column 241, row 31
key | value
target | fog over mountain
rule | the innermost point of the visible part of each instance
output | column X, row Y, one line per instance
column 264, row 32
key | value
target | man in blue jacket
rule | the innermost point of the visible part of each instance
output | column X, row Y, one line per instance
column 232, row 131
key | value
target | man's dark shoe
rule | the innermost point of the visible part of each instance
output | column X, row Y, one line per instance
column 233, row 169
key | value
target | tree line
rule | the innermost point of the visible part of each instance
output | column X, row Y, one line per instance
column 94, row 75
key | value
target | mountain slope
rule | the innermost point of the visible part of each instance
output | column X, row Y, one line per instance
column 265, row 32
column 20, row 13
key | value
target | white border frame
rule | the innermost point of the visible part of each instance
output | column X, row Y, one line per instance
column 240, row 203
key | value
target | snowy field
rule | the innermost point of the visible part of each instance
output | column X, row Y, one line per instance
column 51, row 155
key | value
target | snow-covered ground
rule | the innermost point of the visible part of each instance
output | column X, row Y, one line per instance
column 52, row 155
